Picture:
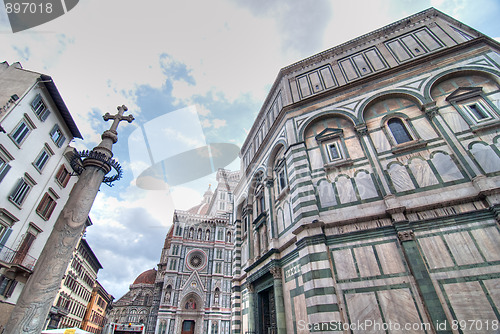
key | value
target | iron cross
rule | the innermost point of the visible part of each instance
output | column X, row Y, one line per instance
column 118, row 117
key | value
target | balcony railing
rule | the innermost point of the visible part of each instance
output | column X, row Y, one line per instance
column 9, row 257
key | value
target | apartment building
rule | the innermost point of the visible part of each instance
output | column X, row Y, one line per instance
column 36, row 130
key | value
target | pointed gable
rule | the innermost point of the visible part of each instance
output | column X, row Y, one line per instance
column 463, row 93
column 329, row 133
column 193, row 283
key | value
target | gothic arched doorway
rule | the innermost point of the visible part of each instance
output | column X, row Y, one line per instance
column 188, row 327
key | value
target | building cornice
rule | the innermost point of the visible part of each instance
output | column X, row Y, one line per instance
column 342, row 50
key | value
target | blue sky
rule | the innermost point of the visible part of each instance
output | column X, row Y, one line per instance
column 160, row 56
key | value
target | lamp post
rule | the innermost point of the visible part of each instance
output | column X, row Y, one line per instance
column 39, row 292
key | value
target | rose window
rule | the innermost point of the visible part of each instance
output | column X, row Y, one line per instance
column 196, row 260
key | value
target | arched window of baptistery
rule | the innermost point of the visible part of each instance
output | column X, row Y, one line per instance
column 280, row 173
column 331, row 142
column 465, row 100
column 395, row 124
column 259, row 201
column 399, row 131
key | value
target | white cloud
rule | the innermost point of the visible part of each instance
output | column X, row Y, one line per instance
column 206, row 123
column 202, row 110
column 185, row 198
column 215, row 123
column 219, row 123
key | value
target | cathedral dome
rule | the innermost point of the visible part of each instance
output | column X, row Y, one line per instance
column 202, row 208
column 147, row 277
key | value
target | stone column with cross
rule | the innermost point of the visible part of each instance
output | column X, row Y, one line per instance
column 37, row 297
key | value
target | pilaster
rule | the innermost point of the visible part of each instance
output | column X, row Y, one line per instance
column 371, row 154
column 431, row 111
column 236, row 309
column 251, row 307
column 302, row 191
column 420, row 273
column 322, row 303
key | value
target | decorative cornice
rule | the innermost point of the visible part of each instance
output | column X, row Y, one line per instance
column 261, row 219
column 263, row 258
column 8, row 217
column 311, row 241
column 313, row 224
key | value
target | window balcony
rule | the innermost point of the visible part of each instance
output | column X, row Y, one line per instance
column 16, row 261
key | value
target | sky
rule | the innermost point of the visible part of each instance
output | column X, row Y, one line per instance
column 218, row 57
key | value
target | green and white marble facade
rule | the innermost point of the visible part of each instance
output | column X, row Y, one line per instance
column 387, row 233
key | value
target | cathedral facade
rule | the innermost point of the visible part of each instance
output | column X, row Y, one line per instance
column 370, row 193
column 193, row 284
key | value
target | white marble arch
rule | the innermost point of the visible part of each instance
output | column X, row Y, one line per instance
column 400, row 177
column 485, row 156
column 345, row 189
column 364, row 184
column 281, row 220
column 422, row 172
column 287, row 214
column 445, row 166
column 326, row 194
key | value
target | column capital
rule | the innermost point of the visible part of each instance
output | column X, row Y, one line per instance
column 250, row 287
column 430, row 109
column 406, row 236
column 269, row 182
column 276, row 272
column 361, row 129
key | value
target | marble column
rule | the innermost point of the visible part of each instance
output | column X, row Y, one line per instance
column 279, row 303
column 38, row 295
column 251, row 307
